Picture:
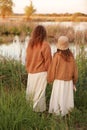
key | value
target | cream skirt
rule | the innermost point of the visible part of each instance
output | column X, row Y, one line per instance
column 62, row 100
column 36, row 86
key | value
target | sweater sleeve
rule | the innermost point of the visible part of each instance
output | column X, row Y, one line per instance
column 47, row 56
column 75, row 76
column 52, row 70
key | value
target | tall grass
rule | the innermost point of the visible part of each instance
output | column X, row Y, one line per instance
column 17, row 114
column 81, row 94
column 8, row 30
column 11, row 74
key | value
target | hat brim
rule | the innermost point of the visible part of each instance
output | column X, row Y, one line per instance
column 62, row 48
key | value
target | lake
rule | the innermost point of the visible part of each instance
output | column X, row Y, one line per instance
column 17, row 49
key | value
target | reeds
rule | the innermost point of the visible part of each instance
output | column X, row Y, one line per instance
column 9, row 30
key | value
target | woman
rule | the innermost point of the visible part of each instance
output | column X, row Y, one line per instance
column 38, row 59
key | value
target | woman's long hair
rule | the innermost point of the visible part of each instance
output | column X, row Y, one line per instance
column 38, row 36
column 66, row 54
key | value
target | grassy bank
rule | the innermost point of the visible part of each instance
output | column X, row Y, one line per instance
column 17, row 114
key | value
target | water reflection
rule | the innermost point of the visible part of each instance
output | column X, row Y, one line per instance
column 17, row 49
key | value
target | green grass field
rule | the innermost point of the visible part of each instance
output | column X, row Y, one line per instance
column 17, row 114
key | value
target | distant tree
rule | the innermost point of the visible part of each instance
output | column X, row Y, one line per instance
column 29, row 10
column 6, row 8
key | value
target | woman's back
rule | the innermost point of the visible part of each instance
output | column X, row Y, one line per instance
column 38, row 55
column 38, row 58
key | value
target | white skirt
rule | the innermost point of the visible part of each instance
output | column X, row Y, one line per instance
column 62, row 99
column 36, row 86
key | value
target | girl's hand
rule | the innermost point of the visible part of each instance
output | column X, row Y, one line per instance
column 74, row 88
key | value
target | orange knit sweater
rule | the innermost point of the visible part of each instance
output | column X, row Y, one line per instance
column 62, row 70
column 38, row 58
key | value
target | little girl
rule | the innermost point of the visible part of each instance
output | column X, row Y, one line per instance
column 63, row 72
column 38, row 59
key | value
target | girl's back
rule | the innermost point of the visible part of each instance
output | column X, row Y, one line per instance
column 65, row 69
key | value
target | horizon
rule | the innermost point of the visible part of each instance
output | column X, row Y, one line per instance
column 51, row 13
column 57, row 6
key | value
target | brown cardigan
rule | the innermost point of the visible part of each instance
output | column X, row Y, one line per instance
column 38, row 58
column 62, row 70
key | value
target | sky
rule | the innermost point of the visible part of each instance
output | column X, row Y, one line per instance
column 52, row 6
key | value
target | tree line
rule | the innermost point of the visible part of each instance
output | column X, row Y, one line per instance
column 6, row 9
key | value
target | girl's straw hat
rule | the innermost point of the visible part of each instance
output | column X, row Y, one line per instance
column 63, row 43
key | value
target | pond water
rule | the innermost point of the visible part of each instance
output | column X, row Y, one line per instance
column 17, row 49
column 75, row 25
